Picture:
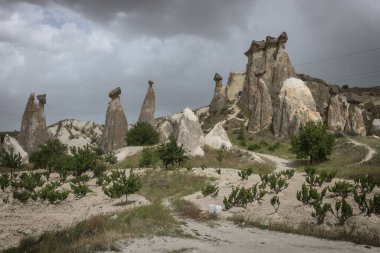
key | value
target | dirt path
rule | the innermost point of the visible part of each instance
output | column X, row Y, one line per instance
column 226, row 238
column 371, row 151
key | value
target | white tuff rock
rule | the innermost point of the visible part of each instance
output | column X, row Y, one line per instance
column 11, row 143
column 217, row 137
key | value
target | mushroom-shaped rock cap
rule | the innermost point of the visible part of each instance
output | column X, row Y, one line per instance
column 115, row 93
column 217, row 77
column 283, row 38
column 42, row 98
column 150, row 82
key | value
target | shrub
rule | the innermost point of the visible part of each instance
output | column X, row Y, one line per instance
column 4, row 181
column 10, row 159
column 313, row 141
column 63, row 165
column 314, row 179
column 320, row 211
column 110, row 158
column 148, row 157
column 310, row 196
column 342, row 189
column 23, row 195
column 117, row 184
column 170, row 153
column 142, row 134
column 245, row 173
column 51, row 193
column 82, row 159
column 367, row 204
column 99, row 169
column 80, row 190
column 210, row 190
column 253, row 147
column 28, row 181
column 221, row 154
column 275, row 181
column 241, row 196
column 80, row 179
column 343, row 211
column 48, row 155
column 288, row 174
column 365, row 184
column 275, row 202
column 203, row 166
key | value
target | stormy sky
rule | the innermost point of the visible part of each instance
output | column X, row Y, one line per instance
column 76, row 51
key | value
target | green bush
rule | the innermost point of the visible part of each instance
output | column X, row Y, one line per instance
column 117, row 184
column 275, row 182
column 342, row 189
column 275, row 202
column 80, row 179
column 342, row 211
column 80, row 190
column 4, row 181
column 142, row 134
column 253, row 147
column 241, row 196
column 320, row 211
column 10, row 159
column 51, row 193
column 365, row 184
column 23, row 195
column 28, row 181
column 148, row 157
column 210, row 190
column 310, row 196
column 313, row 141
column 221, row 154
column 48, row 155
column 110, row 158
column 170, row 153
column 82, row 159
column 99, row 169
column 314, row 179
column 245, row 173
column 288, row 174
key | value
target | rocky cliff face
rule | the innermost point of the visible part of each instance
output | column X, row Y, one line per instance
column 115, row 129
column 148, row 106
column 33, row 125
column 267, row 68
column 295, row 106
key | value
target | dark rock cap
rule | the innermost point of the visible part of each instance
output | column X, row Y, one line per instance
column 271, row 41
column 217, row 77
column 354, row 99
column 42, row 98
column 283, row 38
column 115, row 93
column 150, row 82
column 334, row 89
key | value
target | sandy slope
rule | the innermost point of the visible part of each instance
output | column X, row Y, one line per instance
column 18, row 220
column 371, row 151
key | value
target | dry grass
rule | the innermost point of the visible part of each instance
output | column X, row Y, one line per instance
column 100, row 232
column 187, row 209
column 350, row 234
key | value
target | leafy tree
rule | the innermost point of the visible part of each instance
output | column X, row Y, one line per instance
column 10, row 159
column 342, row 211
column 310, row 196
column 313, row 141
column 48, row 155
column 148, row 157
column 170, row 153
column 52, row 193
column 142, row 134
column 320, row 211
column 275, row 202
column 342, row 189
column 82, row 159
column 118, row 184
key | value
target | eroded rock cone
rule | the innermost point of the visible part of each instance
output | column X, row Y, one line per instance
column 11, row 143
column 149, row 105
column 190, row 134
column 268, row 67
column 295, row 106
column 217, row 137
column 115, row 129
column 165, row 131
column 33, row 130
column 218, row 102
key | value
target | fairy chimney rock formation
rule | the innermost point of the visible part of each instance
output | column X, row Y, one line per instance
column 115, row 129
column 267, row 68
column 218, row 102
column 190, row 134
column 295, row 106
column 149, row 105
column 218, row 137
column 33, row 130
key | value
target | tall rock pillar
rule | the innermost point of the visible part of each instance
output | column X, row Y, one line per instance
column 115, row 129
column 149, row 105
column 218, row 102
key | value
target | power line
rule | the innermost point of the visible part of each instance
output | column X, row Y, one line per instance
column 338, row 57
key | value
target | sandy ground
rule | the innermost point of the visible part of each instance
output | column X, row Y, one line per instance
column 226, row 238
column 18, row 220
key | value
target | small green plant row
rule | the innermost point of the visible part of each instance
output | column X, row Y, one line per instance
column 241, row 197
column 277, row 182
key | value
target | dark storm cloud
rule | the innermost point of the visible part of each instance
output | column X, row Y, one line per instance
column 76, row 51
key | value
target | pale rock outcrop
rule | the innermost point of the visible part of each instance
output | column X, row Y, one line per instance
column 115, row 129
column 218, row 102
column 376, row 127
column 165, row 131
column 217, row 137
column 75, row 133
column 235, row 85
column 33, row 125
column 149, row 105
column 337, row 115
column 295, row 106
column 355, row 120
column 190, row 134
column 268, row 67
column 11, row 143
